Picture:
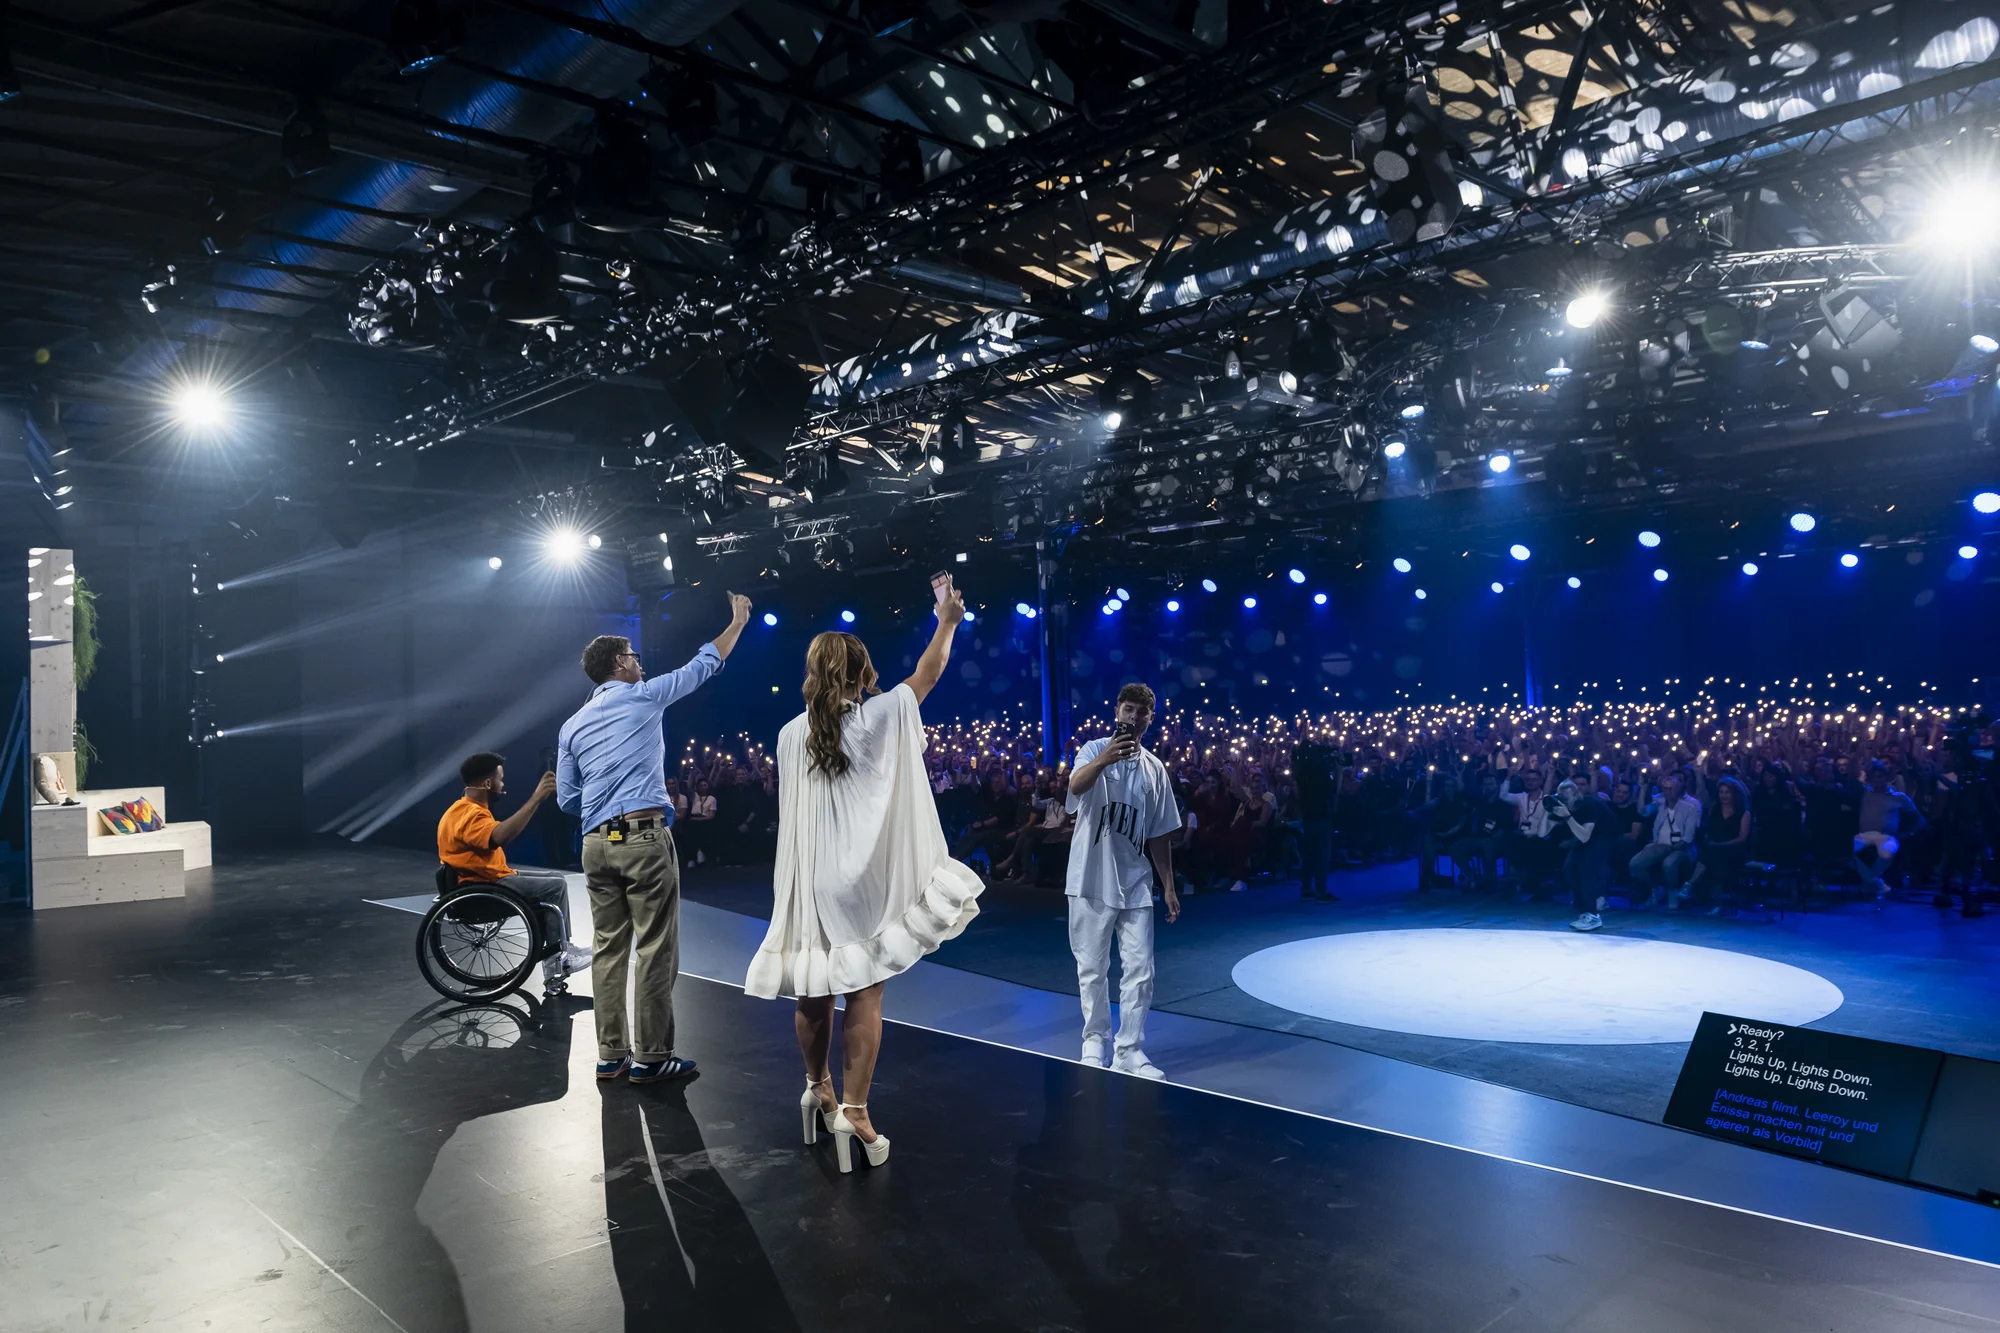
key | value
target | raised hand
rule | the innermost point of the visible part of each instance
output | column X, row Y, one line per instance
column 951, row 607
column 739, row 609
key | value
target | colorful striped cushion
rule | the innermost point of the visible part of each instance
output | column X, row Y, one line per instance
column 118, row 820
column 145, row 815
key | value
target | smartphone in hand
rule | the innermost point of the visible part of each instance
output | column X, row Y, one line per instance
column 940, row 586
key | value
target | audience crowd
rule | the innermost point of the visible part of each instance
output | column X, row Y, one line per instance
column 1694, row 803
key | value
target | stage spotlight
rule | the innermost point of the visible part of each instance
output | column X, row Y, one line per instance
column 1649, row 539
column 1659, row 576
column 593, row 541
column 971, row 616
column 1412, row 411
column 1402, row 566
column 847, row 617
column 1249, row 603
column 1587, row 309
column 1297, row 576
column 1987, row 502
column 1319, row 599
column 1968, row 553
column 1208, row 585
column 200, row 406
column 1575, row 582
column 1849, row 560
column 770, row 617
column 493, row 562
column 1023, row 609
column 1961, row 217
column 1499, row 462
column 1750, row 569
column 1109, row 608
column 1497, row 587
column 1393, row 450
column 1421, row 594
column 1803, row 522
column 1122, row 595
column 1113, row 420
column 1518, row 551
column 564, row 545
column 1173, row 604
column 1985, row 344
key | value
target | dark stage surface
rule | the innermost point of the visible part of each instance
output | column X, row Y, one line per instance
column 1907, row 973
column 244, row 1110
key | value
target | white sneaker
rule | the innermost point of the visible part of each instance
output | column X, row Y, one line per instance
column 577, row 957
column 1239, row 887
column 1136, row 1063
column 1588, row 921
column 1096, row 1052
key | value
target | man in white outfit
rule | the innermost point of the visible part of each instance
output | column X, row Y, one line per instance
column 1125, row 813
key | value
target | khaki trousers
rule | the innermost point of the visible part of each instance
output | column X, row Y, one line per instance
column 635, row 895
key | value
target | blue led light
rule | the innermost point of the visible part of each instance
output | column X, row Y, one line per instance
column 1750, row 568
column 1849, row 560
column 1803, row 522
column 1173, row 604
column 847, row 616
column 1421, row 594
column 770, row 617
column 1208, row 585
column 1123, row 596
column 1649, row 539
column 1319, row 599
column 1987, row 502
column 1968, row 552
column 1518, row 551
column 1659, row 576
column 1249, row 603
column 1575, row 582
column 1497, row 587
column 1402, row 565
column 1297, row 576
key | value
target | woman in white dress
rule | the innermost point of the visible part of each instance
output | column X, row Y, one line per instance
column 864, row 885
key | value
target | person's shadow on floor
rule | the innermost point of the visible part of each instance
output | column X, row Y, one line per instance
column 447, row 1064
column 684, row 1251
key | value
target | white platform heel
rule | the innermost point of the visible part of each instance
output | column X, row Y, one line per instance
column 810, row 1113
column 844, row 1137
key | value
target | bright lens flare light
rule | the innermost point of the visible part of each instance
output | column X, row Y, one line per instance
column 1968, row 553
column 493, row 562
column 1499, row 462
column 1587, row 309
column 565, row 546
column 200, row 406
column 1963, row 218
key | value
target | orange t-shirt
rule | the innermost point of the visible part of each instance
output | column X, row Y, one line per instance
column 462, row 837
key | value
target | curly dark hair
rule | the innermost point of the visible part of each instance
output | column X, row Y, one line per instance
column 600, row 658
column 480, row 767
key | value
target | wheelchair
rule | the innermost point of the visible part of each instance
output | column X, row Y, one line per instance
column 480, row 940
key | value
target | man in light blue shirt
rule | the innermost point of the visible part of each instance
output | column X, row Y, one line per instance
column 611, row 768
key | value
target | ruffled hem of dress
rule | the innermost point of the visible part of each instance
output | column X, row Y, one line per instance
column 945, row 907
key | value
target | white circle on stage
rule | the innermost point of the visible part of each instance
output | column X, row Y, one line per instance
column 1554, row 987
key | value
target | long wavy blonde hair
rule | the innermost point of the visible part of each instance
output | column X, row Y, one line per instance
column 836, row 665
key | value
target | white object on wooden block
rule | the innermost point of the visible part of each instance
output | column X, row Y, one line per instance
column 78, row 863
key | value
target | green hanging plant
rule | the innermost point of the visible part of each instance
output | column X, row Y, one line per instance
column 86, row 754
column 84, row 642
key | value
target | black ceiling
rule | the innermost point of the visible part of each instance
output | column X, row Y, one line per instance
column 1147, row 273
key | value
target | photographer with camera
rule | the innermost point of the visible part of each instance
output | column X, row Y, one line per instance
column 1587, row 829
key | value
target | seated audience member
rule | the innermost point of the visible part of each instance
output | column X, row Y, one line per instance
column 1777, row 827
column 1046, row 818
column 1832, row 815
column 1725, row 844
column 1531, row 855
column 1590, row 840
column 695, row 841
column 1660, row 865
column 1886, row 816
column 1443, row 819
column 1628, row 826
column 1488, row 820
column 469, row 840
column 993, row 820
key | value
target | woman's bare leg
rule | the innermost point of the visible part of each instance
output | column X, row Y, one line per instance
column 861, row 1042
column 814, row 1024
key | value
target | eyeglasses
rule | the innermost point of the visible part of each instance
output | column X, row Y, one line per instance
column 633, row 656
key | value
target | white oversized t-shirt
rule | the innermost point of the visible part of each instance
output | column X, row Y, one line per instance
column 1131, row 801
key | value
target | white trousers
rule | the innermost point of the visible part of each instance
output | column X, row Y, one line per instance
column 1091, row 926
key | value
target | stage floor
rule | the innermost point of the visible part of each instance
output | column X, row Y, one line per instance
column 1908, row 973
column 245, row 1110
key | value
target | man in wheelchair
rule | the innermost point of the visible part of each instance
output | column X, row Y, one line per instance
column 469, row 840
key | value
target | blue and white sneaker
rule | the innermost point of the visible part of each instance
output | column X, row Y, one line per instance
column 671, row 1067
column 610, row 1069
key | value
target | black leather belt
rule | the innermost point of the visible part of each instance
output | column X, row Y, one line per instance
column 614, row 830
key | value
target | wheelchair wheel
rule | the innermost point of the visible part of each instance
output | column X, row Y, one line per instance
column 478, row 944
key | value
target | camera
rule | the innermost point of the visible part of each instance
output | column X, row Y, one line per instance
column 1552, row 803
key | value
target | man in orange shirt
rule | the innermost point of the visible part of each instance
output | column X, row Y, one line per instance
column 469, row 841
